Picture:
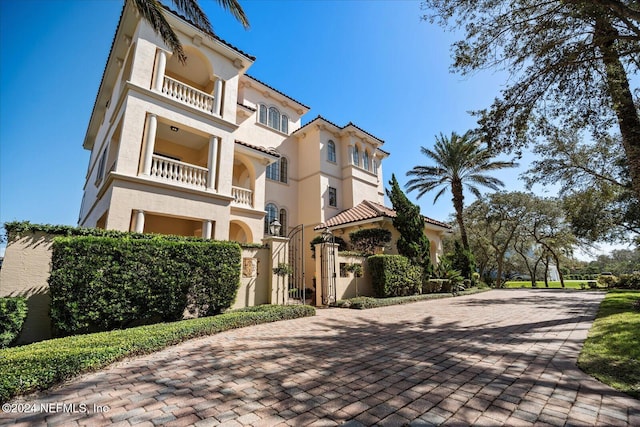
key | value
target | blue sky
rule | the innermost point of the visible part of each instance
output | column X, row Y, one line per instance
column 374, row 63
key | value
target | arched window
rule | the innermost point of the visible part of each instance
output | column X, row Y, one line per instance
column 356, row 156
column 283, row 222
column 284, row 164
column 284, row 128
column 262, row 117
column 272, row 215
column 365, row 160
column 274, row 118
column 273, row 171
column 331, row 151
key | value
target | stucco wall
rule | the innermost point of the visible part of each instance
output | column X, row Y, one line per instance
column 348, row 287
column 254, row 278
column 25, row 272
column 27, row 267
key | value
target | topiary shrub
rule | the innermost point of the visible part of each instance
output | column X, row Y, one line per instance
column 394, row 276
column 368, row 240
column 342, row 244
column 104, row 283
column 13, row 311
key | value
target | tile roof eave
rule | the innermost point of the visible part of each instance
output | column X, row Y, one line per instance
column 246, row 107
column 319, row 117
column 369, row 211
column 213, row 35
column 277, row 91
column 262, row 150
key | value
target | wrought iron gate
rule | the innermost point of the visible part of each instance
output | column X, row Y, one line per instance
column 297, row 291
column 328, row 268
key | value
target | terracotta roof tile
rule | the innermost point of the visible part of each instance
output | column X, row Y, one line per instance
column 368, row 210
column 270, row 151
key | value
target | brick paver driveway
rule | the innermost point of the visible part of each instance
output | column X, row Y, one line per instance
column 505, row 357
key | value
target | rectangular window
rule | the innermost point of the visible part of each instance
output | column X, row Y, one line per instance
column 333, row 197
column 101, row 164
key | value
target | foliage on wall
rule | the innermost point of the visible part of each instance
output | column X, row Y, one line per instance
column 368, row 240
column 104, row 283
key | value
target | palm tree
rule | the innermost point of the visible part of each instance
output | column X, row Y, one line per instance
column 153, row 12
column 460, row 161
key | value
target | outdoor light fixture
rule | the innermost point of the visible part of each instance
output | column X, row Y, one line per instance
column 274, row 228
column 326, row 234
column 174, row 128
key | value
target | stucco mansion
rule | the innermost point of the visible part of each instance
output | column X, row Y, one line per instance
column 205, row 149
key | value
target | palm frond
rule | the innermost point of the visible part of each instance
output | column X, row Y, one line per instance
column 233, row 7
column 191, row 9
column 153, row 12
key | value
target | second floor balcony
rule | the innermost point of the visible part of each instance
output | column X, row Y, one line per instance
column 182, row 158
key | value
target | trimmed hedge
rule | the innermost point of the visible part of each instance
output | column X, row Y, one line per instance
column 13, row 311
column 18, row 228
column 362, row 303
column 394, row 276
column 41, row 365
column 104, row 283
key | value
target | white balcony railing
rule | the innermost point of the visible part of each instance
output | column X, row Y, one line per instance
column 188, row 95
column 177, row 172
column 242, row 196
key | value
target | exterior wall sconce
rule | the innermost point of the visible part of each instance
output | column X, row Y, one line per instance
column 274, row 228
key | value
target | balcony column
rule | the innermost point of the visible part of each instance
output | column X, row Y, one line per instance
column 212, row 180
column 217, row 96
column 206, row 229
column 139, row 224
column 150, row 138
column 161, row 64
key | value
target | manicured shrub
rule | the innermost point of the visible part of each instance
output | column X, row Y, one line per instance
column 40, row 365
column 342, row 244
column 394, row 276
column 608, row 281
column 13, row 311
column 629, row 281
column 104, row 283
column 361, row 303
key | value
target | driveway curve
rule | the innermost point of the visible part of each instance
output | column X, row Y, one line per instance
column 504, row 357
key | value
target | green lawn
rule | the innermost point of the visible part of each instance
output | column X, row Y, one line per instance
column 612, row 350
column 569, row 284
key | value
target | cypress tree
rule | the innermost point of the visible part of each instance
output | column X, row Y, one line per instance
column 413, row 243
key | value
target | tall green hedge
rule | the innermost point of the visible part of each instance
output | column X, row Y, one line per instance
column 104, row 283
column 394, row 276
column 13, row 311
